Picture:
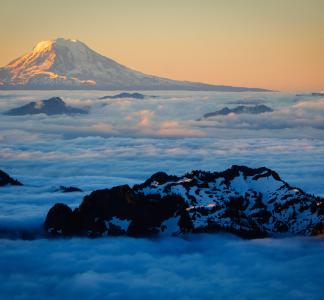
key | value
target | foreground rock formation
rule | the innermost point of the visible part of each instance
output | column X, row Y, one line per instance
column 247, row 202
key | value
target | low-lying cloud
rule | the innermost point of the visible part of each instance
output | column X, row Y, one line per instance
column 195, row 267
column 126, row 141
column 302, row 115
column 167, row 116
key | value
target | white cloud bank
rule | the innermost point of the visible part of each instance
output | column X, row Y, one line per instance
column 198, row 267
column 168, row 116
column 124, row 141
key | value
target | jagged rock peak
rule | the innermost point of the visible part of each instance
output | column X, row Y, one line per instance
column 250, row 202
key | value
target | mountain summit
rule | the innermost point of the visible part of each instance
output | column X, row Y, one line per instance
column 241, row 200
column 70, row 64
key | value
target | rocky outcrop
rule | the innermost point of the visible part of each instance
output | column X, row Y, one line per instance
column 68, row 189
column 241, row 200
column 52, row 106
column 241, row 109
column 124, row 95
column 116, row 211
column 5, row 179
column 60, row 216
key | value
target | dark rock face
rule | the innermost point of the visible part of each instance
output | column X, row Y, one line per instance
column 125, row 95
column 52, row 106
column 115, row 211
column 5, row 179
column 60, row 219
column 248, row 202
column 241, row 109
column 68, row 189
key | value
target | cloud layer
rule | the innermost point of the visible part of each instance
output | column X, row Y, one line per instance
column 196, row 267
column 169, row 115
column 124, row 142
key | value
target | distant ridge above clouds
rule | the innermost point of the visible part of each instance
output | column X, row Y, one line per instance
column 50, row 107
column 70, row 64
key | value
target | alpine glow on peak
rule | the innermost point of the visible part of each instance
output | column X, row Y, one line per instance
column 70, row 64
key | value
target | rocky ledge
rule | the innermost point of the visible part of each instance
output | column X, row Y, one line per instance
column 248, row 202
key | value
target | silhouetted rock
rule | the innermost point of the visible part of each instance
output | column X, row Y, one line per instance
column 125, row 95
column 59, row 220
column 5, row 179
column 315, row 94
column 241, row 109
column 245, row 201
column 52, row 106
column 68, row 189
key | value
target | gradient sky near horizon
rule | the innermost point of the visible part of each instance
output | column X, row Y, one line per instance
column 277, row 44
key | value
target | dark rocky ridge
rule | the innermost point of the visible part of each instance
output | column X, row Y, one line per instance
column 5, row 179
column 52, row 106
column 241, row 109
column 247, row 202
column 124, row 95
column 68, row 189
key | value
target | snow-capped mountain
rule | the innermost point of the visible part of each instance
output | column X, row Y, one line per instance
column 248, row 202
column 70, row 64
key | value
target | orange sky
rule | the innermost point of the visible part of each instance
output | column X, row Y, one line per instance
column 277, row 44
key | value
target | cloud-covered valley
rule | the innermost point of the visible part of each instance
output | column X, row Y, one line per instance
column 195, row 267
column 126, row 141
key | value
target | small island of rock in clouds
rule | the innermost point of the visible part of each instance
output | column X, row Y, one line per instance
column 161, row 150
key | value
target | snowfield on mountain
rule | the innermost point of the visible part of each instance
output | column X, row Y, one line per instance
column 70, row 64
column 248, row 202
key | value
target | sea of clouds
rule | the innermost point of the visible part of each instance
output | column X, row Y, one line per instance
column 195, row 267
column 124, row 142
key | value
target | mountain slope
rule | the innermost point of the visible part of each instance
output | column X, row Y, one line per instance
column 248, row 202
column 70, row 64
